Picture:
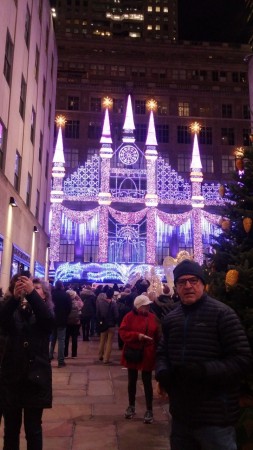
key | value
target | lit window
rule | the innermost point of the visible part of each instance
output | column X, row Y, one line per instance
column 150, row 9
column 183, row 109
column 157, row 9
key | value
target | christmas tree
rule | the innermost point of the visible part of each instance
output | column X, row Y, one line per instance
column 230, row 268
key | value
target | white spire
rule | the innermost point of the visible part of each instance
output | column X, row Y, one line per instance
column 129, row 120
column 58, row 154
column 106, row 133
column 196, row 161
column 151, row 136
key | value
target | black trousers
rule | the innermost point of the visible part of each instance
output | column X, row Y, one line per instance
column 147, row 383
column 72, row 331
column 32, row 425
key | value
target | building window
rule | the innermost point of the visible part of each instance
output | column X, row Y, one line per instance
column 162, row 133
column 245, row 137
column 227, row 136
column 246, row 112
column 183, row 135
column 215, row 75
column 183, row 163
column 49, row 113
column 223, row 76
column 17, row 171
column 207, row 163
column 73, row 103
column 95, row 104
column 37, row 206
column 8, row 58
column 52, row 65
column 47, row 37
column 71, row 158
column 226, row 111
column 183, row 109
column 44, row 92
column 206, row 136
column 46, row 165
column 2, row 144
column 94, row 131
column 228, row 163
column 22, row 97
column 44, row 215
column 235, row 77
column 28, row 190
column 33, row 123
column 140, row 107
column 37, row 62
column 40, row 8
column 41, row 147
column 72, row 129
column 67, row 250
column 162, row 109
column 141, row 132
column 118, row 105
column 27, row 26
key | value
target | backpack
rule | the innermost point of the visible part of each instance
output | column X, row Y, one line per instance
column 74, row 315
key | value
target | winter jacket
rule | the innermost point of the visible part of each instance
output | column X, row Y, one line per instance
column 26, row 376
column 201, row 359
column 131, row 326
column 107, row 309
column 62, row 306
column 89, row 306
column 162, row 306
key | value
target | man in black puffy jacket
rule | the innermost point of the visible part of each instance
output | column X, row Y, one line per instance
column 201, row 359
column 62, row 307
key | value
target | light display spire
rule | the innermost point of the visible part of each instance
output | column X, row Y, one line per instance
column 151, row 136
column 196, row 161
column 58, row 154
column 106, row 132
column 129, row 127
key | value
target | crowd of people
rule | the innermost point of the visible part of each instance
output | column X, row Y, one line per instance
column 194, row 344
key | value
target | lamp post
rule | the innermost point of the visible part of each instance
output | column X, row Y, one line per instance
column 7, row 246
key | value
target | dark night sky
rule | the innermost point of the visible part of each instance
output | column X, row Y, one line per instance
column 213, row 20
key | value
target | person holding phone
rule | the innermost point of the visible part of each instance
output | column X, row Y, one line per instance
column 139, row 330
column 26, row 378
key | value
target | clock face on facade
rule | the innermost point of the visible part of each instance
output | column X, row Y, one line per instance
column 128, row 155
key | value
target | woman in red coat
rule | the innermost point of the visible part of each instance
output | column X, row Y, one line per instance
column 139, row 330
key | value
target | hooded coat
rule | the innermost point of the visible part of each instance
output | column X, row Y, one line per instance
column 26, row 375
column 132, row 325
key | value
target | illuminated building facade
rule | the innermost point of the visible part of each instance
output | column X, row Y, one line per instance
column 118, row 18
column 127, row 208
column 28, row 69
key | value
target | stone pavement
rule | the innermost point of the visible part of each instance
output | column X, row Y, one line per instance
column 88, row 408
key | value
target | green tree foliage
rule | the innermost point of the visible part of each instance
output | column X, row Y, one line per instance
column 233, row 248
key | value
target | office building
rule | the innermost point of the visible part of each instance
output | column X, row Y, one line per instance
column 28, row 68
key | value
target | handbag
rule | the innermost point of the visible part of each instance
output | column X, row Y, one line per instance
column 133, row 355
column 103, row 323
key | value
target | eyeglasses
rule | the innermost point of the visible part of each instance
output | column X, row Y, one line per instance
column 193, row 281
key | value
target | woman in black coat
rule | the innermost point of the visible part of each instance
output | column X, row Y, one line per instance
column 26, row 377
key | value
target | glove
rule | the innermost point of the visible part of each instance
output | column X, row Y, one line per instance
column 189, row 373
column 163, row 378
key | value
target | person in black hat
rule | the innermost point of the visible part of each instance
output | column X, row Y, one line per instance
column 201, row 359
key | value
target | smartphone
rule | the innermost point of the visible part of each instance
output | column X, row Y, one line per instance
column 25, row 273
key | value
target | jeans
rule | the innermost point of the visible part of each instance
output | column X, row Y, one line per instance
column 59, row 335
column 32, row 424
column 184, row 437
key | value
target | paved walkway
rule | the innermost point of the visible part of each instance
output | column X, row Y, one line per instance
column 88, row 408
